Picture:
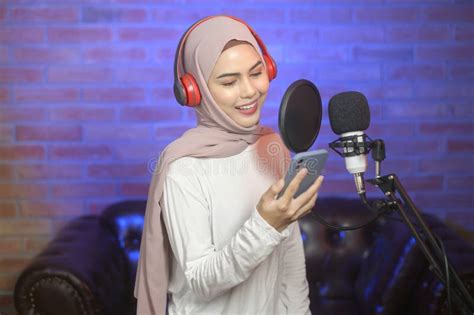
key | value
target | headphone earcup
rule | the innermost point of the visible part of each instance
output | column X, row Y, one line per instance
column 271, row 67
column 179, row 93
column 189, row 92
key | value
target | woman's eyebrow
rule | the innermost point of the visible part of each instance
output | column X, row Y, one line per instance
column 237, row 73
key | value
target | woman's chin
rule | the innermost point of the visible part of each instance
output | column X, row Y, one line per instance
column 248, row 120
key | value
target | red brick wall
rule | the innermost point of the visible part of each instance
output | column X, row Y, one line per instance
column 86, row 100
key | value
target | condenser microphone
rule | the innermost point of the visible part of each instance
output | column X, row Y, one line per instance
column 349, row 116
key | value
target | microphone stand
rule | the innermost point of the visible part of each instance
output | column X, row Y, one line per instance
column 431, row 247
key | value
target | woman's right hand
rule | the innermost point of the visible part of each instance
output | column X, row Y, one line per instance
column 280, row 212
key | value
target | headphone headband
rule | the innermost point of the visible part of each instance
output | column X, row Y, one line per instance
column 185, row 87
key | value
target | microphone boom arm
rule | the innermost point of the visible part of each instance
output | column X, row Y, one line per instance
column 389, row 184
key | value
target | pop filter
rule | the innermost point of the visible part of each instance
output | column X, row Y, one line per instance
column 300, row 115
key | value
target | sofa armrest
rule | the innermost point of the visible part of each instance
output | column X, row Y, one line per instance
column 390, row 270
column 82, row 271
column 397, row 267
column 430, row 296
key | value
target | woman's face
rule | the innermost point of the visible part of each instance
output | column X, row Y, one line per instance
column 239, row 79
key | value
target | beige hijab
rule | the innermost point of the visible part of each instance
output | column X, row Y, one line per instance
column 216, row 135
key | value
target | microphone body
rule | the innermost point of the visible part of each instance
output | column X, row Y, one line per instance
column 349, row 116
column 355, row 163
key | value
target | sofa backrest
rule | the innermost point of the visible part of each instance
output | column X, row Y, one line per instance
column 337, row 253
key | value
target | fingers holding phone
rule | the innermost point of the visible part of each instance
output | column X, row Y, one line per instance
column 291, row 189
column 307, row 200
column 313, row 162
column 293, row 197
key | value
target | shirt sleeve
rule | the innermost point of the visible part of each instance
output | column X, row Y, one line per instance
column 210, row 272
column 295, row 293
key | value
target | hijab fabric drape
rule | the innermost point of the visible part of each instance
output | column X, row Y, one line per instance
column 216, row 135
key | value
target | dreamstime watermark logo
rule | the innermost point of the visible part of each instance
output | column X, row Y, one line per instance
column 152, row 165
column 274, row 148
column 312, row 166
column 274, row 160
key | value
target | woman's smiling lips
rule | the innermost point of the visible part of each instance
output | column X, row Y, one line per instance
column 248, row 111
column 250, row 103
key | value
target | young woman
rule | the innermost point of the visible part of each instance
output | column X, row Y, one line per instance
column 216, row 239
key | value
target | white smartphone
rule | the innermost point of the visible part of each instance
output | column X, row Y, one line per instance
column 313, row 161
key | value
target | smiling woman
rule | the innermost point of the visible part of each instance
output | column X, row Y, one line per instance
column 239, row 83
column 212, row 243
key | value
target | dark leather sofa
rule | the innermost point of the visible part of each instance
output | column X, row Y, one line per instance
column 89, row 268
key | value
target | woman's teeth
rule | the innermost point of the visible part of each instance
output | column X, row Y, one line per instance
column 246, row 107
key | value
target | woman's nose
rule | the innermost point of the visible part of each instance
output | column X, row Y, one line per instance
column 247, row 89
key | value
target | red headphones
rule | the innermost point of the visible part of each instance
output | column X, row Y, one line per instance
column 186, row 89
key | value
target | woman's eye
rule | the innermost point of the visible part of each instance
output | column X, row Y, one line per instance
column 256, row 74
column 228, row 83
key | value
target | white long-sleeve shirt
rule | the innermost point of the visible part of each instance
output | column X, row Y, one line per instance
column 227, row 258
